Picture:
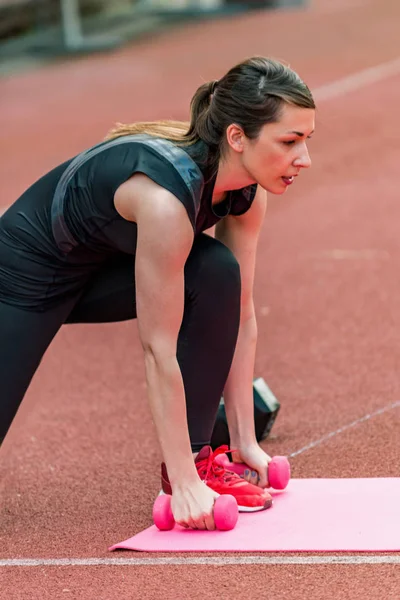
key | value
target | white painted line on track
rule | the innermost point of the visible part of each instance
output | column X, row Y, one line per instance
column 332, row 434
column 357, row 81
column 349, row 559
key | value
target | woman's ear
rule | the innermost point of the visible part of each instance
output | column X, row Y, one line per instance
column 235, row 137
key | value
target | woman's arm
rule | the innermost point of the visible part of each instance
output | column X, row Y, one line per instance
column 165, row 238
column 241, row 235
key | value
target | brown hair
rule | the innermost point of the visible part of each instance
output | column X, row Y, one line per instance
column 251, row 95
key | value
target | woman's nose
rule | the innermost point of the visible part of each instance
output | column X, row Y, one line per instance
column 303, row 160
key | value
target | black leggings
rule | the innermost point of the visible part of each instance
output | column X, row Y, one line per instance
column 206, row 342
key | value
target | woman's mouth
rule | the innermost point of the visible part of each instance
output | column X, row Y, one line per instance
column 288, row 180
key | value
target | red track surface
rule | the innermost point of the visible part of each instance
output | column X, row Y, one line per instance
column 79, row 469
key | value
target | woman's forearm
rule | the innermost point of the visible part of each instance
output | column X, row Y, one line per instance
column 166, row 396
column 238, row 391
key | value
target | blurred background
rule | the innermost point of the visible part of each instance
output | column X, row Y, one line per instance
column 35, row 30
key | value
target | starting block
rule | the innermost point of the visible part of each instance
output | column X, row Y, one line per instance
column 266, row 408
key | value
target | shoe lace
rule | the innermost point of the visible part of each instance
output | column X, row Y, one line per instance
column 209, row 469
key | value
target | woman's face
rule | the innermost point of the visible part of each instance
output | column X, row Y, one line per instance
column 280, row 152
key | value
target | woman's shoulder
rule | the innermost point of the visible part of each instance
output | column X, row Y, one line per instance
column 163, row 162
column 153, row 149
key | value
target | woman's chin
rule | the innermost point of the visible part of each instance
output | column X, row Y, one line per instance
column 277, row 190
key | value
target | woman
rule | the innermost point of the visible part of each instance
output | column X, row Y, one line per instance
column 117, row 233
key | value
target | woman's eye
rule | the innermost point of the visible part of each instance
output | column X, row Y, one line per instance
column 289, row 142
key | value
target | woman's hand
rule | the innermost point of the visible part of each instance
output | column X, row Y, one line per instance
column 257, row 461
column 193, row 506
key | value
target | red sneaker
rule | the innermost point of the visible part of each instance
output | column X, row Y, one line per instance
column 249, row 497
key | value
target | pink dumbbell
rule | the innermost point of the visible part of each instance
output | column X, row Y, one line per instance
column 225, row 513
column 278, row 470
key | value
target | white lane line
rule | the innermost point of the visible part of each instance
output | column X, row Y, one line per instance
column 349, row 559
column 357, row 80
column 332, row 434
column 343, row 254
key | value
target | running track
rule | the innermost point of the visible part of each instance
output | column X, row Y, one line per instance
column 79, row 469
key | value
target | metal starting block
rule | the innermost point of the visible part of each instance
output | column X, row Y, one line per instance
column 266, row 408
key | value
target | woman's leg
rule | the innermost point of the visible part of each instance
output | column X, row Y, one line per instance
column 109, row 295
column 209, row 328
column 24, row 338
column 208, row 334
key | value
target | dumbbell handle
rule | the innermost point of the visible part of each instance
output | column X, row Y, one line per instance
column 278, row 470
column 225, row 513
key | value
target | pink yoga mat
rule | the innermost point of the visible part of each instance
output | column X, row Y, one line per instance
column 326, row 515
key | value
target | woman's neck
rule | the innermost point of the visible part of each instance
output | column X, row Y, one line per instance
column 230, row 176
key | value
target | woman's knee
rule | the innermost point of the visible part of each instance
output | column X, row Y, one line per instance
column 214, row 267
